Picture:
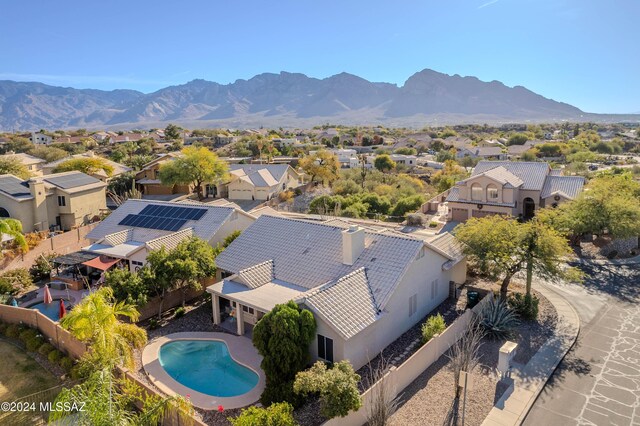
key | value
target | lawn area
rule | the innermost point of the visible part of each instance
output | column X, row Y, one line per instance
column 21, row 375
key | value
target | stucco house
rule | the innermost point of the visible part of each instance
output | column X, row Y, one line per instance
column 33, row 164
column 140, row 226
column 148, row 178
column 118, row 168
column 61, row 200
column 257, row 181
column 365, row 287
column 511, row 188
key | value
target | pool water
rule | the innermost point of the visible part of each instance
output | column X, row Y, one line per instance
column 52, row 310
column 207, row 367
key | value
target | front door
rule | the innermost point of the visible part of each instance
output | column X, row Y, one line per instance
column 528, row 208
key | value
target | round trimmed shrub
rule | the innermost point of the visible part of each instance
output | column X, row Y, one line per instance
column 45, row 348
column 54, row 356
column 28, row 334
column 13, row 331
column 66, row 363
column 34, row 343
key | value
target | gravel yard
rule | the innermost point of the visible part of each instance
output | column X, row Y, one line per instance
column 428, row 400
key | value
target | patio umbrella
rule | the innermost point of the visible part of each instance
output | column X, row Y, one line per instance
column 63, row 310
column 47, row 295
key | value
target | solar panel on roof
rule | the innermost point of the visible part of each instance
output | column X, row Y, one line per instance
column 173, row 212
column 71, row 181
column 14, row 186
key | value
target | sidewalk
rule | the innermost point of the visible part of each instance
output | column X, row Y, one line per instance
column 528, row 382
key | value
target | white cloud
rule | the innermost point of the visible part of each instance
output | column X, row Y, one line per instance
column 489, row 3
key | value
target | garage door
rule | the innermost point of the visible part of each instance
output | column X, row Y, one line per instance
column 459, row 215
column 481, row 213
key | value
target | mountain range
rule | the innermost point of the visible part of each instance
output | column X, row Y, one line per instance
column 284, row 99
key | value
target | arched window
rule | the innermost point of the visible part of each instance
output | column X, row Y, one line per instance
column 492, row 192
column 476, row 192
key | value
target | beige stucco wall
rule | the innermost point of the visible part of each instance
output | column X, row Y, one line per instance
column 240, row 223
column 83, row 206
column 241, row 190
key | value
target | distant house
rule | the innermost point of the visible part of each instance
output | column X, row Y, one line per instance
column 511, row 188
column 71, row 139
column 40, row 139
column 482, row 152
column 148, row 178
column 365, row 287
column 33, row 164
column 348, row 158
column 258, row 181
column 516, row 151
column 140, row 226
column 62, row 200
column 118, row 168
column 406, row 160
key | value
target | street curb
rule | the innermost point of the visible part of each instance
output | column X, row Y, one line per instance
column 527, row 396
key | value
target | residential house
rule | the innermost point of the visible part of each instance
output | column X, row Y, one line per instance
column 365, row 287
column 40, row 139
column 148, row 178
column 33, row 164
column 256, row 181
column 118, row 169
column 72, row 139
column 348, row 158
column 516, row 151
column 61, row 200
column 140, row 226
column 406, row 160
column 511, row 188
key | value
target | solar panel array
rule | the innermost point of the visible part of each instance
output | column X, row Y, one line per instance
column 72, row 180
column 14, row 186
column 165, row 218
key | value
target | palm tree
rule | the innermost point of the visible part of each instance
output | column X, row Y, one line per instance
column 95, row 321
column 110, row 401
column 13, row 228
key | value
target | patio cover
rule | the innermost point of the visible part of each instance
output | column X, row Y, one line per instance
column 74, row 258
column 263, row 298
column 101, row 262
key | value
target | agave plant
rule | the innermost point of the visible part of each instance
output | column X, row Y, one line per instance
column 498, row 320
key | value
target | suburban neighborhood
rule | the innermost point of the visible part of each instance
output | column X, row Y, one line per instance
column 319, row 214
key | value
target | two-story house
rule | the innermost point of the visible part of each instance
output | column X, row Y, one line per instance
column 510, row 188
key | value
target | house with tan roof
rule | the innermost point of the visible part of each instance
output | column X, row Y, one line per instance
column 148, row 178
column 258, row 181
column 365, row 286
column 140, row 226
column 57, row 201
column 510, row 188
column 118, row 169
column 33, row 164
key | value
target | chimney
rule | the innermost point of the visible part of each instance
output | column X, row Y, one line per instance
column 352, row 244
column 40, row 214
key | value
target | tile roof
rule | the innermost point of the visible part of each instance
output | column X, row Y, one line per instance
column 170, row 241
column 260, row 175
column 503, row 176
column 70, row 182
column 532, row 174
column 569, row 186
column 25, row 159
column 257, row 275
column 347, row 304
column 14, row 187
column 309, row 254
column 205, row 227
column 489, row 151
column 447, row 244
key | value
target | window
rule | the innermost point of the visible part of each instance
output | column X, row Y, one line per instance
column 325, row 348
column 492, row 192
column 413, row 304
column 434, row 288
column 62, row 200
column 476, row 192
column 136, row 263
column 248, row 309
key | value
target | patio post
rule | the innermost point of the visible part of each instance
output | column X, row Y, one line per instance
column 240, row 319
column 215, row 301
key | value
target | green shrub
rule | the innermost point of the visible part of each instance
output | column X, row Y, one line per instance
column 435, row 325
column 66, row 363
column 78, row 372
column 45, row 348
column 54, row 356
column 13, row 331
column 15, row 279
column 34, row 343
column 526, row 306
column 27, row 335
column 280, row 414
column 497, row 319
column 179, row 312
column 41, row 268
column 153, row 323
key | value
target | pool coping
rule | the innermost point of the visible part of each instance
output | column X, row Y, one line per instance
column 241, row 350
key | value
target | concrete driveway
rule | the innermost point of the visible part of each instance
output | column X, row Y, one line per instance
column 598, row 382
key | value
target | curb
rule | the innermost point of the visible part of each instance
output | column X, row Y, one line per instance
column 522, row 394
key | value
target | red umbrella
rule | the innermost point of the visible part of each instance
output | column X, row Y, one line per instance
column 47, row 295
column 63, row 310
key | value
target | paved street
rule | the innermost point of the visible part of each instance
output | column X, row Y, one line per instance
column 598, row 382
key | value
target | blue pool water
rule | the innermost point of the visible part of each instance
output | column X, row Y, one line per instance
column 207, row 367
column 52, row 310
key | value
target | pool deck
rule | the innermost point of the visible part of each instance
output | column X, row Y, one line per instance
column 241, row 350
column 73, row 296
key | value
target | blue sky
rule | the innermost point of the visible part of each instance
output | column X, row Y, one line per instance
column 584, row 52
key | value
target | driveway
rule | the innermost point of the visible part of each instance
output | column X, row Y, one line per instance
column 598, row 382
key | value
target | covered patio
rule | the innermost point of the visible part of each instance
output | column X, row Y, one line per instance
column 238, row 308
column 80, row 269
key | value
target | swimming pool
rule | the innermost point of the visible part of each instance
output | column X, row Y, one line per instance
column 52, row 310
column 207, row 367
